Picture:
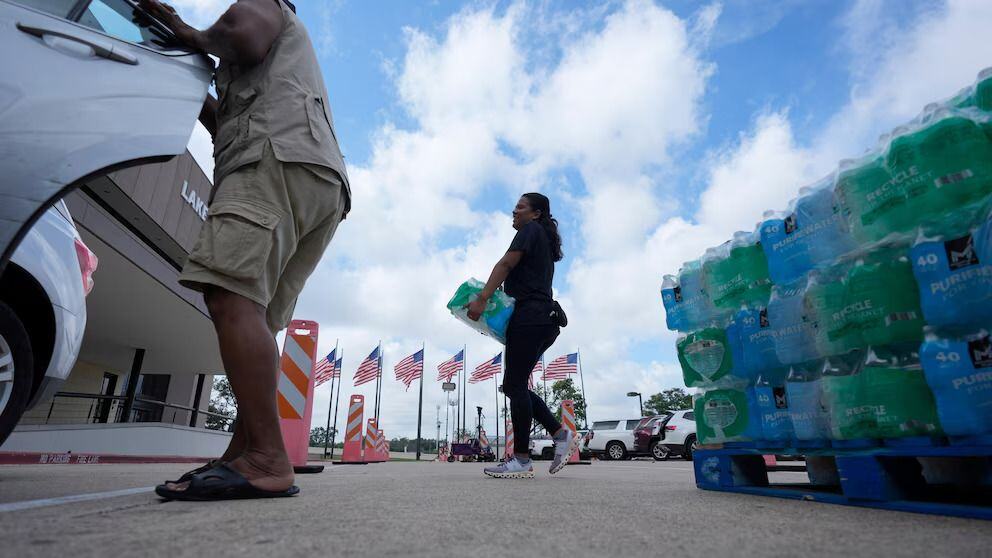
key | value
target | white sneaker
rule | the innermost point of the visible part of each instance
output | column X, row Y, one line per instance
column 511, row 469
column 565, row 445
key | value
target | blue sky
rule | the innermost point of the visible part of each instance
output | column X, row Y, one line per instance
column 657, row 128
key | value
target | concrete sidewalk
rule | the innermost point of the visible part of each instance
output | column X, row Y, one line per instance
column 440, row 509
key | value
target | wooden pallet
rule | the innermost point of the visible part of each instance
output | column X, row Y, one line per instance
column 922, row 475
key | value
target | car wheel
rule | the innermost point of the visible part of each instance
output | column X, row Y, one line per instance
column 16, row 370
column 615, row 451
column 691, row 445
column 659, row 452
column 548, row 453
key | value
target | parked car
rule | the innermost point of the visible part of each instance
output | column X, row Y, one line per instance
column 88, row 88
column 42, row 313
column 679, row 434
column 613, row 439
column 647, row 437
column 542, row 447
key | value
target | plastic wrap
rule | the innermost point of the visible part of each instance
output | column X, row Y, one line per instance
column 496, row 316
column 736, row 273
column 727, row 414
column 959, row 372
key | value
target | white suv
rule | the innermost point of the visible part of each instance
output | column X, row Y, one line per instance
column 679, row 434
column 42, row 313
column 612, row 439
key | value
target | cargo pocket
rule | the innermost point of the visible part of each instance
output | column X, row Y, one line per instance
column 240, row 239
column 315, row 114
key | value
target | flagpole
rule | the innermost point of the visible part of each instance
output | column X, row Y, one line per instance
column 420, row 406
column 544, row 380
column 496, row 408
column 585, row 402
column 337, row 404
column 464, row 383
column 378, row 384
column 330, row 400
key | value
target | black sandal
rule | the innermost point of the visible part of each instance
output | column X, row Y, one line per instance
column 188, row 475
column 221, row 483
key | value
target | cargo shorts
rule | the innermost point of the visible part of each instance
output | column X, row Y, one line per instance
column 265, row 232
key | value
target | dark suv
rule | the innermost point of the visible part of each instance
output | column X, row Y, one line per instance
column 647, row 434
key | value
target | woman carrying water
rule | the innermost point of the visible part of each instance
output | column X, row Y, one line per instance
column 526, row 271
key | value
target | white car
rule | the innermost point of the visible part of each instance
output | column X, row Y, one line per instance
column 87, row 88
column 679, row 434
column 42, row 313
column 612, row 439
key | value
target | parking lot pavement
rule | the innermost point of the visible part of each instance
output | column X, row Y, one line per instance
column 437, row 509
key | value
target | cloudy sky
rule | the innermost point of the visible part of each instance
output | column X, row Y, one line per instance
column 656, row 128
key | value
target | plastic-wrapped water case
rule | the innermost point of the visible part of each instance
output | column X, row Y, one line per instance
column 959, row 371
column 813, row 232
column 792, row 330
column 727, row 414
column 496, row 316
column 803, row 387
column 773, row 406
column 750, row 335
column 954, row 273
column 671, row 297
column 693, row 305
column 885, row 395
column 870, row 299
column 736, row 273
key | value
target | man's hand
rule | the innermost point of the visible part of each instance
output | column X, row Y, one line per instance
column 167, row 15
column 476, row 308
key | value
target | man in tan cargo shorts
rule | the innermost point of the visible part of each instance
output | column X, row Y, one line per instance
column 280, row 190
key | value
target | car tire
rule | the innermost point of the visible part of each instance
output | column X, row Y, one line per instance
column 16, row 370
column 659, row 452
column 548, row 454
column 690, row 447
column 615, row 451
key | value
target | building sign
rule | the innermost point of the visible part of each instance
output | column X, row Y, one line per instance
column 194, row 201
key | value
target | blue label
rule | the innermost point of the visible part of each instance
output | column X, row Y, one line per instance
column 672, row 299
column 955, row 279
column 959, row 373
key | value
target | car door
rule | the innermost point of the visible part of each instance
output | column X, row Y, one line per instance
column 627, row 434
column 85, row 89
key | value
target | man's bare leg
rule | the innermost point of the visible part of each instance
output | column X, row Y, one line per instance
column 251, row 357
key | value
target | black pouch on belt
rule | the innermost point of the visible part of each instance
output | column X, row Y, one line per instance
column 558, row 316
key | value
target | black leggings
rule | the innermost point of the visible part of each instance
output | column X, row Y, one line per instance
column 524, row 346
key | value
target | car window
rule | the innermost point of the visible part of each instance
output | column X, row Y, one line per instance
column 58, row 8
column 120, row 19
column 605, row 425
column 689, row 416
column 632, row 424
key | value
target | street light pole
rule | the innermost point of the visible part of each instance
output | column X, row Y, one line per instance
column 640, row 401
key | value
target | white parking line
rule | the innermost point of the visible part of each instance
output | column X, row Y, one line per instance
column 29, row 504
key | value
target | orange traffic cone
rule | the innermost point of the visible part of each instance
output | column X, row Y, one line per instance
column 352, row 453
column 568, row 421
column 508, row 454
column 294, row 392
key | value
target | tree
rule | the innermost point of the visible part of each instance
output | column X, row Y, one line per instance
column 565, row 389
column 222, row 403
column 671, row 399
column 317, row 437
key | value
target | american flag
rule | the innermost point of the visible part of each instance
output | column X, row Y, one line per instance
column 324, row 370
column 447, row 369
column 368, row 370
column 561, row 367
column 337, row 367
column 487, row 369
column 410, row 368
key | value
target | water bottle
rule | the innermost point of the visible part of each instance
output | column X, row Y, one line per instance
column 844, row 399
column 866, row 196
column 823, row 224
column 791, row 329
column 958, row 370
column 697, row 310
column 736, row 273
column 785, row 250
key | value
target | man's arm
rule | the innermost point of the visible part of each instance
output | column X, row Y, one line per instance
column 242, row 36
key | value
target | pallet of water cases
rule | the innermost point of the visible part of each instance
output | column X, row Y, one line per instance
column 923, row 475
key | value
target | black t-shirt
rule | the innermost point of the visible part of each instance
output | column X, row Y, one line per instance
column 530, row 281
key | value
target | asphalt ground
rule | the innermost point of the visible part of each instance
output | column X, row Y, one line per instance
column 637, row 508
